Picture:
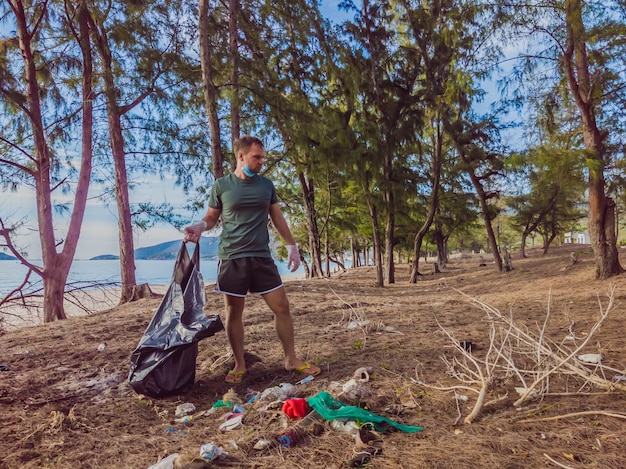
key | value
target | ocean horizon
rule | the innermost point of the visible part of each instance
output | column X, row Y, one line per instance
column 85, row 273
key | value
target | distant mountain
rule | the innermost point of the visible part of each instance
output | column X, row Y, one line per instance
column 105, row 257
column 6, row 257
column 169, row 250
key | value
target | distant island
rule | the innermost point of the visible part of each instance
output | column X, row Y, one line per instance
column 169, row 250
column 6, row 257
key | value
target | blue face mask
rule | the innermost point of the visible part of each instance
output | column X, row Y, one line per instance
column 248, row 172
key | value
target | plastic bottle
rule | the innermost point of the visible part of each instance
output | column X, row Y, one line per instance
column 290, row 437
column 311, row 424
column 348, row 426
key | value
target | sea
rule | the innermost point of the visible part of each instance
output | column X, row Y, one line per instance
column 85, row 273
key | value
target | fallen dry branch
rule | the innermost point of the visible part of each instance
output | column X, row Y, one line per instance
column 606, row 413
column 511, row 344
column 553, row 461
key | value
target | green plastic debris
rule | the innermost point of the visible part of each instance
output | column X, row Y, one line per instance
column 330, row 408
column 221, row 403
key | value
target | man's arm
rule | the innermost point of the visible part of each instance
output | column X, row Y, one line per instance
column 193, row 232
column 279, row 222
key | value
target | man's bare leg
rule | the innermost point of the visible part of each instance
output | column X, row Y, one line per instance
column 234, row 329
column 279, row 304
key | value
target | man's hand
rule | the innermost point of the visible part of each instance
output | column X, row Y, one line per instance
column 193, row 232
column 294, row 257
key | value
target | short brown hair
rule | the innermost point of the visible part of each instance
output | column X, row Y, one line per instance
column 244, row 143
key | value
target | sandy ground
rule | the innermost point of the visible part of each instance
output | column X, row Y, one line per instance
column 65, row 401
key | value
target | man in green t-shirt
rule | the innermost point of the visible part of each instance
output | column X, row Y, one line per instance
column 243, row 200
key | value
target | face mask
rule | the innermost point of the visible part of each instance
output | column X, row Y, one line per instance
column 248, row 172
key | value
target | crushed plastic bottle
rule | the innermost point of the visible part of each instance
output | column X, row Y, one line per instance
column 282, row 392
column 349, row 426
column 210, row 451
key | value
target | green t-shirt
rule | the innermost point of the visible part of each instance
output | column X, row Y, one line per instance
column 245, row 205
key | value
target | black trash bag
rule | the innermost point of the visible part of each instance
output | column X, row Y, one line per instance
column 164, row 362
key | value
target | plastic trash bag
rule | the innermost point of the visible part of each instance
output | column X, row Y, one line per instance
column 164, row 362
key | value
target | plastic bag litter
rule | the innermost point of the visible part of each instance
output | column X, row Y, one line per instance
column 164, row 362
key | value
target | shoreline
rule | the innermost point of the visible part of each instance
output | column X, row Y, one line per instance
column 84, row 302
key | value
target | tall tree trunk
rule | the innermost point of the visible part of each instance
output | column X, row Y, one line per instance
column 434, row 200
column 378, row 257
column 442, row 247
column 308, row 194
column 56, row 265
column 116, row 137
column 482, row 201
column 601, row 208
column 210, row 90
column 523, row 245
column 484, row 210
column 54, row 273
column 391, row 219
column 233, row 43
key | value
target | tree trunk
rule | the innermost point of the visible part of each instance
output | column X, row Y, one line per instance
column 391, row 221
column 308, row 194
column 523, row 245
column 378, row 258
column 116, row 137
column 484, row 209
column 56, row 265
column 435, row 168
column 601, row 219
column 442, row 249
column 210, row 90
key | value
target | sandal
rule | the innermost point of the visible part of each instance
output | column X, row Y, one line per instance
column 235, row 377
column 307, row 370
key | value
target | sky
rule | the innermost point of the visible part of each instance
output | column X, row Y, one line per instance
column 99, row 233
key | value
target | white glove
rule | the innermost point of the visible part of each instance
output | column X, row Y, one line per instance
column 193, row 232
column 294, row 257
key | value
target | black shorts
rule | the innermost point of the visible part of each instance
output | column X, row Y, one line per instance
column 237, row 277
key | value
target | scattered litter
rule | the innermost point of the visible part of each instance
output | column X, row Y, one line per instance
column 349, row 426
column 330, row 408
column 101, row 347
column 590, row 358
column 211, row 451
column 4, row 367
column 295, row 408
column 308, row 379
column 263, row 443
column 619, row 378
column 362, row 375
column 358, row 324
column 232, row 422
column 221, row 403
column 282, row 392
column 353, row 391
column 184, row 409
column 185, row 419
